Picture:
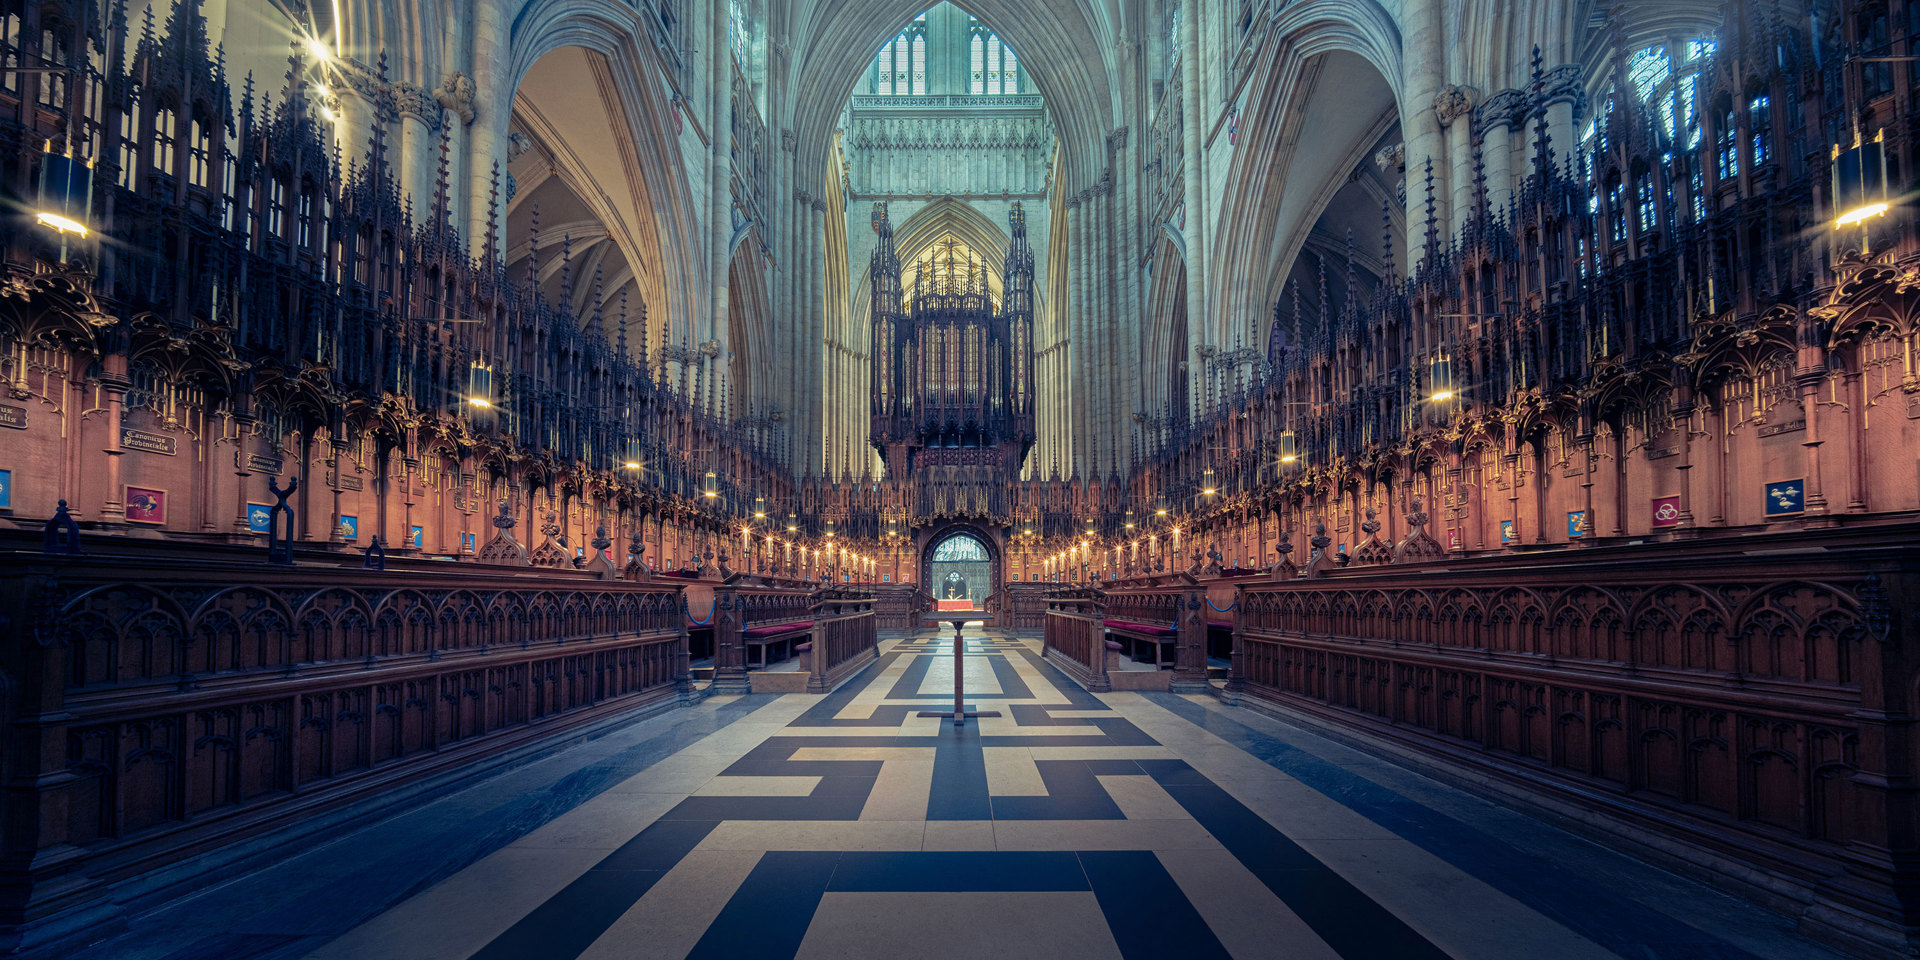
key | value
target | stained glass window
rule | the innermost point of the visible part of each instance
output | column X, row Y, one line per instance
column 901, row 68
column 1648, row 69
column 1727, row 142
column 740, row 33
column 1760, row 128
column 960, row 549
column 994, row 69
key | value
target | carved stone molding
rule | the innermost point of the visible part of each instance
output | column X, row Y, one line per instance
column 417, row 104
column 456, row 93
column 1509, row 107
column 1453, row 102
column 1392, row 159
column 1562, row 84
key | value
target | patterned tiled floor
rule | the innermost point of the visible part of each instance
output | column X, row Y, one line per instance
column 1073, row 825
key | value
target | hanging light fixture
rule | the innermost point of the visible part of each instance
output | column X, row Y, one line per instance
column 1208, row 485
column 1129, row 518
column 480, row 385
column 1440, row 380
column 1160, row 506
column 793, row 523
column 1289, row 447
column 710, row 485
column 636, row 455
column 759, row 508
column 828, row 524
column 1860, row 181
column 66, row 192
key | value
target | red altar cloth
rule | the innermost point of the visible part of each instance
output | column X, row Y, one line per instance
column 953, row 605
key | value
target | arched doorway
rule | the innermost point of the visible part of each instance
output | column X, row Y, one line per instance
column 963, row 560
column 961, row 570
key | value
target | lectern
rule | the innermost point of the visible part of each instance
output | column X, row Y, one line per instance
column 959, row 619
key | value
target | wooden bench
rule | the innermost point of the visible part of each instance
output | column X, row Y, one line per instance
column 1157, row 634
column 1167, row 611
column 764, row 636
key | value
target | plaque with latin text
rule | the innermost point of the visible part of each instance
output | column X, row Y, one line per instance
column 144, row 442
column 12, row 416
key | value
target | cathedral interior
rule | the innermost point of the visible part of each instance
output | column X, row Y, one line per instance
column 602, row 479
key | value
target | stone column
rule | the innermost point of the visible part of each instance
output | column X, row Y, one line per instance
column 1453, row 109
column 1566, row 99
column 1498, row 117
column 720, row 198
column 1192, row 77
column 1108, row 302
column 1133, row 294
column 419, row 146
column 1422, row 39
column 113, row 507
column 492, row 86
column 816, row 303
column 1077, row 380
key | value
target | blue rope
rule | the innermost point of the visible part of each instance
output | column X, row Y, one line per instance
column 1227, row 609
column 701, row 623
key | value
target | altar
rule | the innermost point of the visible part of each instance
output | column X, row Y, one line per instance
column 958, row 604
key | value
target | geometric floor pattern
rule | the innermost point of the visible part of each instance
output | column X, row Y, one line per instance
column 1072, row 825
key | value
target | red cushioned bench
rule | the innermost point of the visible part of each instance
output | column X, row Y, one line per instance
column 1157, row 634
column 766, row 635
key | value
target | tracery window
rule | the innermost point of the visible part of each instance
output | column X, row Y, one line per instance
column 1876, row 76
column 961, row 549
column 53, row 86
column 1727, row 144
column 995, row 67
column 740, row 33
column 1617, row 211
column 130, row 140
column 901, row 68
column 197, row 151
column 9, row 52
column 1760, row 128
column 163, row 140
column 1649, row 212
column 1668, row 76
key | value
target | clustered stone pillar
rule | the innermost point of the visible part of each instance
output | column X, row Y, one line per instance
column 1076, row 323
column 1424, row 60
column 1499, row 117
column 1453, row 108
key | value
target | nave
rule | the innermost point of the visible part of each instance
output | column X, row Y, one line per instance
column 1134, row 825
